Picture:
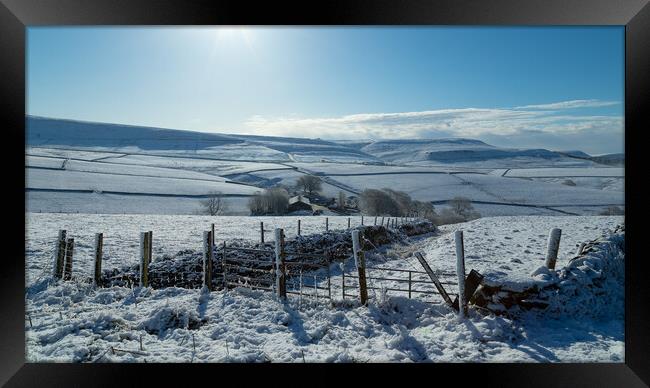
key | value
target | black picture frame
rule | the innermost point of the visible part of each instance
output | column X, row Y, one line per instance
column 16, row 15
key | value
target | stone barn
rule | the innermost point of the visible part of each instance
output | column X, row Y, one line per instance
column 299, row 203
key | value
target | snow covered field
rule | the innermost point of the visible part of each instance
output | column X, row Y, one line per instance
column 112, row 160
column 70, row 321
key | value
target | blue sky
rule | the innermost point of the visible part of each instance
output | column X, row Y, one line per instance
column 550, row 87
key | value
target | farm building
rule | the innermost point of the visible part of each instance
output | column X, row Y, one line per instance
column 299, row 203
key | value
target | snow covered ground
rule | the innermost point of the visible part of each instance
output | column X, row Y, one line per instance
column 70, row 321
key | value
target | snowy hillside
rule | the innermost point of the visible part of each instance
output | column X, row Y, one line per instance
column 74, row 166
column 463, row 151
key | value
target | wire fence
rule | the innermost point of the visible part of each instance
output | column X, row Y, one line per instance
column 306, row 274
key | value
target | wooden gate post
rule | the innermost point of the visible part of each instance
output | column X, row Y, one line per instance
column 60, row 255
column 69, row 251
column 460, row 272
column 553, row 247
column 360, row 261
column 144, row 259
column 99, row 246
column 207, row 259
column 280, row 279
column 262, row 232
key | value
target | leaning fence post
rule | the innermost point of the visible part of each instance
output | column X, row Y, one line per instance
column 280, row 279
column 99, row 245
column 553, row 247
column 207, row 260
column 144, row 259
column 69, row 250
column 382, row 221
column 361, row 266
column 262, row 232
column 60, row 255
column 460, row 272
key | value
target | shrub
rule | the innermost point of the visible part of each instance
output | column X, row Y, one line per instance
column 273, row 201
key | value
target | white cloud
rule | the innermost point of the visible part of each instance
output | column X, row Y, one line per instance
column 571, row 104
column 466, row 122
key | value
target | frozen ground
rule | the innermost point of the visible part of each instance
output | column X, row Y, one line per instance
column 72, row 322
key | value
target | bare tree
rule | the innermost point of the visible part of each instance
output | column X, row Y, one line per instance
column 403, row 200
column 378, row 203
column 460, row 210
column 341, row 201
column 309, row 184
column 271, row 201
column 461, row 206
column 423, row 210
column 214, row 204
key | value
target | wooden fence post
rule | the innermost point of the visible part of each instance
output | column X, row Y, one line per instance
column 60, row 254
column 150, row 253
column 348, row 222
column 343, row 284
column 375, row 224
column 224, row 268
column 410, row 284
column 327, row 224
column 280, row 279
column 262, row 232
column 460, row 272
column 329, row 277
column 382, row 221
column 207, row 260
column 361, row 267
column 298, row 226
column 144, row 259
column 69, row 251
column 553, row 247
column 361, row 220
column 99, row 246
